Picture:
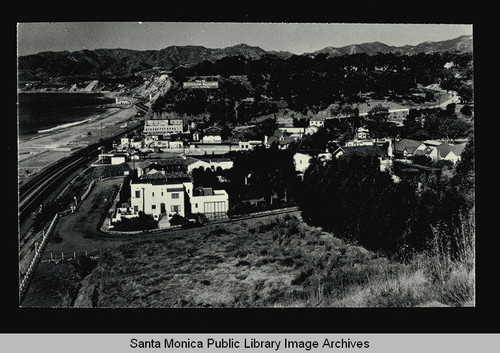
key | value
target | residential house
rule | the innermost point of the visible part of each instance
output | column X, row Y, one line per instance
column 295, row 132
column 164, row 144
column 163, row 195
column 373, row 150
column 446, row 151
column 160, row 194
column 407, row 148
column 398, row 114
column 194, row 163
column 216, row 162
column 317, row 121
column 249, row 145
column 361, row 138
column 214, row 204
column 116, row 170
column 302, row 159
column 432, row 143
column 283, row 141
column 212, row 135
column 110, row 159
column 311, row 130
column 280, row 138
column 126, row 143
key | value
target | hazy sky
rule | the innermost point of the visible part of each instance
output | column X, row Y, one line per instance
column 297, row 38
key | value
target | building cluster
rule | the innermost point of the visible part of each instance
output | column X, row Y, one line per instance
column 167, row 152
column 163, row 188
column 387, row 150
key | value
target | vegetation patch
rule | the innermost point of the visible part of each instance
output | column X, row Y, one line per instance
column 284, row 263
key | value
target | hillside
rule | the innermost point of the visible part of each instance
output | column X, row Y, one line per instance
column 91, row 64
column 275, row 263
column 94, row 64
column 461, row 44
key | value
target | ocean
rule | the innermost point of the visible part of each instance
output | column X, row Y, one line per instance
column 38, row 111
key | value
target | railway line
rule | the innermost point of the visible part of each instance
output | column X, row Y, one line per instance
column 34, row 189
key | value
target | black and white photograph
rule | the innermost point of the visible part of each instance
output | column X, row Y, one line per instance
column 249, row 165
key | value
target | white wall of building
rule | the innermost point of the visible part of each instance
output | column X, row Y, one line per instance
column 301, row 161
column 212, row 206
column 212, row 139
column 163, row 126
column 160, row 199
column 198, row 164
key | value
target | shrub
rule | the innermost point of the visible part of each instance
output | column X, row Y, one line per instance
column 303, row 275
column 85, row 265
column 143, row 222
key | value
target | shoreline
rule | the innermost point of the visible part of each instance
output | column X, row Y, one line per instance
column 67, row 126
column 111, row 93
column 35, row 151
column 107, row 110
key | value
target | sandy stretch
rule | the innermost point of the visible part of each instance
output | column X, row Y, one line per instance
column 35, row 152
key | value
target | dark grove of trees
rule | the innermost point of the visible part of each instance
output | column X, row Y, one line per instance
column 357, row 202
column 435, row 123
column 262, row 173
column 313, row 83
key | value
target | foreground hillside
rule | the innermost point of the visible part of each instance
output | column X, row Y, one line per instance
column 279, row 263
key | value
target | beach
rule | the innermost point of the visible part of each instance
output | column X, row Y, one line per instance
column 37, row 151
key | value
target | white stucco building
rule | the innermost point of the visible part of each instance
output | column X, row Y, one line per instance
column 212, row 203
column 158, row 195
column 162, row 197
column 301, row 161
column 163, row 126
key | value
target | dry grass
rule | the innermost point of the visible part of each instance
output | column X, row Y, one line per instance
column 276, row 263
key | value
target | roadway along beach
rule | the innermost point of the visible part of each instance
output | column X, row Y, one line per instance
column 37, row 151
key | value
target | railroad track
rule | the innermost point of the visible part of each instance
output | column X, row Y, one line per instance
column 32, row 190
column 35, row 191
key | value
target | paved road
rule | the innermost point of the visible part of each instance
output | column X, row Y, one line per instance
column 80, row 231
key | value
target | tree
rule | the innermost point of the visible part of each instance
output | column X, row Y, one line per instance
column 466, row 110
column 464, row 177
column 268, row 127
column 262, row 173
column 376, row 121
column 352, row 198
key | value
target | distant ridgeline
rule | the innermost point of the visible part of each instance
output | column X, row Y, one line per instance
column 109, row 64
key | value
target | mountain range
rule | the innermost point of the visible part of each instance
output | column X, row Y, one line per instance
column 461, row 44
column 123, row 62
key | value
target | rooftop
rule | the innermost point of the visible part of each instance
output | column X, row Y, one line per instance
column 372, row 150
column 409, row 145
column 446, row 148
column 201, row 191
column 160, row 178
